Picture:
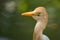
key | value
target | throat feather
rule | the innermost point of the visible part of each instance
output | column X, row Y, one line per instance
column 39, row 26
column 38, row 30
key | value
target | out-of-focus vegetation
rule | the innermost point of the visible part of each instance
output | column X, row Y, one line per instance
column 13, row 26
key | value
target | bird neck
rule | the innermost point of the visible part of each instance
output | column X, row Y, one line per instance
column 38, row 30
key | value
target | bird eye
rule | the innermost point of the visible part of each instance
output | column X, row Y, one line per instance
column 38, row 14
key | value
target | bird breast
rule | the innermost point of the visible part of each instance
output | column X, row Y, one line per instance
column 44, row 37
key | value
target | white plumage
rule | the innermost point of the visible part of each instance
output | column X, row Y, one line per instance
column 44, row 37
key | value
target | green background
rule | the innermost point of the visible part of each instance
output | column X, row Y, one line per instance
column 17, row 27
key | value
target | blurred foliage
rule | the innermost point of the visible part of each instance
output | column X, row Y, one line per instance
column 17, row 27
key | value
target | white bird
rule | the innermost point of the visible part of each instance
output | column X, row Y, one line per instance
column 41, row 16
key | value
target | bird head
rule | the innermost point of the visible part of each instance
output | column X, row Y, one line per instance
column 38, row 14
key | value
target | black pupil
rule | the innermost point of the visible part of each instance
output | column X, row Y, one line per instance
column 38, row 14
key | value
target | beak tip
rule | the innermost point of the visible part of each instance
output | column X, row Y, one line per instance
column 22, row 14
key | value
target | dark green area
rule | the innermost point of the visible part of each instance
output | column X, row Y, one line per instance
column 17, row 27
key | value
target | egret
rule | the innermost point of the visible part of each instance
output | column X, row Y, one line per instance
column 41, row 16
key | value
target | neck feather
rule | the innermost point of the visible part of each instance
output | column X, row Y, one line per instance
column 39, row 27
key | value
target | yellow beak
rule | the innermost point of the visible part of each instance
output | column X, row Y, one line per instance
column 28, row 13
